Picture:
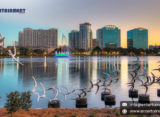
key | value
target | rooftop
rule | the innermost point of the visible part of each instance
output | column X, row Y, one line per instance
column 86, row 23
column 140, row 28
column 74, row 31
column 110, row 26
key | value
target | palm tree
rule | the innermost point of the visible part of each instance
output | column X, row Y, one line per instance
column 4, row 53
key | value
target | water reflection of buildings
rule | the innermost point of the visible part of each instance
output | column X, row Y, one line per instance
column 85, row 72
column 95, row 66
column 2, row 65
column 144, row 63
column 81, row 71
column 124, row 72
column 17, row 63
column 73, row 69
column 130, row 64
column 62, row 71
column 152, row 61
column 38, row 70
column 106, row 67
column 45, row 64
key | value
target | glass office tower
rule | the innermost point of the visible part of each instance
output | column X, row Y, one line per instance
column 74, row 39
column 85, row 35
column 137, row 38
column 109, row 36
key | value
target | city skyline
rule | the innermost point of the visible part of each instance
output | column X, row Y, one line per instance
column 67, row 15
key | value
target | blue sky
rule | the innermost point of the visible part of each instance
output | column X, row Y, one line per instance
column 66, row 15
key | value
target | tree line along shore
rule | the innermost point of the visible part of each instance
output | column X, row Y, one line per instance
column 97, row 51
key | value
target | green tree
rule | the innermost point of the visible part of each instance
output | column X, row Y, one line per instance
column 43, row 52
column 75, row 50
column 26, row 99
column 38, row 51
column 106, row 49
column 97, row 50
column 4, row 53
column 31, row 52
column 58, row 49
column 13, row 103
column 81, row 50
column 155, row 50
column 23, row 51
column 149, row 51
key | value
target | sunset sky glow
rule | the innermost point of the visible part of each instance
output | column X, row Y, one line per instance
column 66, row 15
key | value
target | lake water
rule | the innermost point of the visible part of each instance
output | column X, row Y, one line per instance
column 74, row 73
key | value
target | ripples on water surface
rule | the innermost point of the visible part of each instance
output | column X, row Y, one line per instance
column 74, row 73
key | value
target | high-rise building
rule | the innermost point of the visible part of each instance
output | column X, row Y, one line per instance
column 137, row 38
column 129, row 43
column 94, row 42
column 99, row 38
column 27, row 37
column 74, row 39
column 85, row 36
column 40, row 37
column 109, row 36
column 21, row 40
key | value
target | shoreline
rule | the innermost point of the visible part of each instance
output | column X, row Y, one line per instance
column 69, row 112
column 63, row 112
column 78, row 55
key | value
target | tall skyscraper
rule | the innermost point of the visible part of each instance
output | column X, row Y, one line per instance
column 109, row 36
column 74, row 39
column 137, row 38
column 21, row 40
column 99, row 38
column 85, row 35
column 40, row 37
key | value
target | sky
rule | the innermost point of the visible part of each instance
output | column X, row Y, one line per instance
column 66, row 15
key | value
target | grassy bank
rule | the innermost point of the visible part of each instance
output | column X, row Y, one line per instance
column 104, row 112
